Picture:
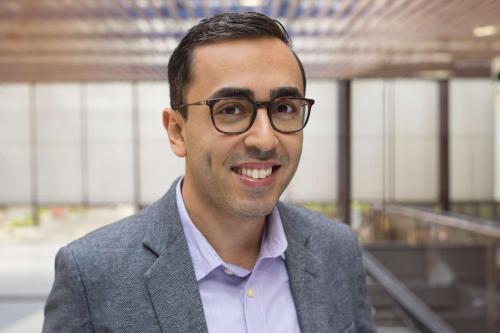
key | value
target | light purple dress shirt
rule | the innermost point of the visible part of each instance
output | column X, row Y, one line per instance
column 235, row 299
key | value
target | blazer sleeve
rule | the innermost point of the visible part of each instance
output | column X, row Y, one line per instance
column 66, row 309
column 362, row 305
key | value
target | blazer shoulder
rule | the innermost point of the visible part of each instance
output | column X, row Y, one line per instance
column 122, row 233
column 323, row 236
column 307, row 221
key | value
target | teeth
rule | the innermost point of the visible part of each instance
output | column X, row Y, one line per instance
column 254, row 173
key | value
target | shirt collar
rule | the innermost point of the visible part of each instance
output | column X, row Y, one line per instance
column 206, row 259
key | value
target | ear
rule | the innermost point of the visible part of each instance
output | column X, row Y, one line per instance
column 174, row 125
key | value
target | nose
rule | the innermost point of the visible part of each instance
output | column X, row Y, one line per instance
column 261, row 135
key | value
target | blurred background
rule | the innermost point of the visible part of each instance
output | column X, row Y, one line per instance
column 403, row 143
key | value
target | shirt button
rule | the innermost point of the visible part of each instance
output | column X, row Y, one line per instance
column 228, row 271
column 250, row 292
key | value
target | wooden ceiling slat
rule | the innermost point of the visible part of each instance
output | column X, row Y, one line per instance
column 146, row 27
column 225, row 5
column 484, row 13
column 402, row 8
column 276, row 4
column 75, row 73
column 335, row 37
column 325, row 8
column 341, row 10
column 346, row 24
column 321, row 17
column 292, row 8
column 388, row 14
column 361, row 25
column 105, row 47
column 153, row 28
column 110, row 8
column 309, row 5
column 206, row 8
column 172, row 9
column 447, row 31
column 188, row 4
column 262, row 7
column 455, row 20
column 85, row 59
column 413, row 22
column 361, row 52
column 404, row 11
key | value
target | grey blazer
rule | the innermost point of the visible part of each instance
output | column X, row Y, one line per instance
column 136, row 275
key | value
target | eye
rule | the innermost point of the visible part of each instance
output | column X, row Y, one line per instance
column 285, row 108
column 232, row 109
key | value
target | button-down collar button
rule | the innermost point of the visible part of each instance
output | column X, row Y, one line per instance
column 228, row 271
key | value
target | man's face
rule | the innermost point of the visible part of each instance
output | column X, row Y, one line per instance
column 215, row 179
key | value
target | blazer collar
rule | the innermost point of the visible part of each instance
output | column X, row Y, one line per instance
column 163, row 223
column 170, row 281
column 305, row 272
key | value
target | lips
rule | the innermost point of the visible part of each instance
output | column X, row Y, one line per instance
column 255, row 171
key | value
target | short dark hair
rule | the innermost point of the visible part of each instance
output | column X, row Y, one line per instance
column 222, row 27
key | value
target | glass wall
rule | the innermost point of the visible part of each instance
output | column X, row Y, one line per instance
column 105, row 143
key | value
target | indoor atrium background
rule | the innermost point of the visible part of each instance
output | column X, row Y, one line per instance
column 403, row 142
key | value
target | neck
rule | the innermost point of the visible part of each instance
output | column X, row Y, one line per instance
column 237, row 240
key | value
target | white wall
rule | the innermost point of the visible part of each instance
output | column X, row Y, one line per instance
column 472, row 139
column 58, row 142
column 110, row 159
column 394, row 150
column 367, row 154
column 159, row 165
column 15, row 178
column 316, row 176
column 416, row 105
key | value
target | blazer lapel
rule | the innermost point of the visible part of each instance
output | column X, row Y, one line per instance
column 174, row 291
column 306, row 276
column 171, row 282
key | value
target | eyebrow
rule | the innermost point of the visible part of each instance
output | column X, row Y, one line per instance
column 233, row 92
column 247, row 93
column 285, row 92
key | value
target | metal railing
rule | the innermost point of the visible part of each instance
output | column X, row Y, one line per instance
column 411, row 304
column 476, row 227
column 471, row 224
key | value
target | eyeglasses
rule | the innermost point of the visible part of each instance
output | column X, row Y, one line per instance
column 235, row 115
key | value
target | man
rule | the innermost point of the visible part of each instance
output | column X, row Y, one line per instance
column 218, row 252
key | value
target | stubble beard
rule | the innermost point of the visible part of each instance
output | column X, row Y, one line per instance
column 217, row 193
column 230, row 202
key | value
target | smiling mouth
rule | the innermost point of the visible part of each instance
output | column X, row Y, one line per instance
column 255, row 173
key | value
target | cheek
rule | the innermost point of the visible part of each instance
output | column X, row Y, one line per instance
column 293, row 146
column 198, row 150
column 209, row 150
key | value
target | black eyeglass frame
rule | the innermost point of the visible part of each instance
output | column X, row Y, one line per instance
column 256, row 106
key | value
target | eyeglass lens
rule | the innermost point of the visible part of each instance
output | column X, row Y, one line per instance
column 235, row 115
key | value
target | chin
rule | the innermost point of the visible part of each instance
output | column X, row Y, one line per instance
column 255, row 209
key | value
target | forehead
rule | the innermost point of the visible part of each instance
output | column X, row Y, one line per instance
column 261, row 65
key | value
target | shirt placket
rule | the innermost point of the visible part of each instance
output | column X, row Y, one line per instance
column 255, row 318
